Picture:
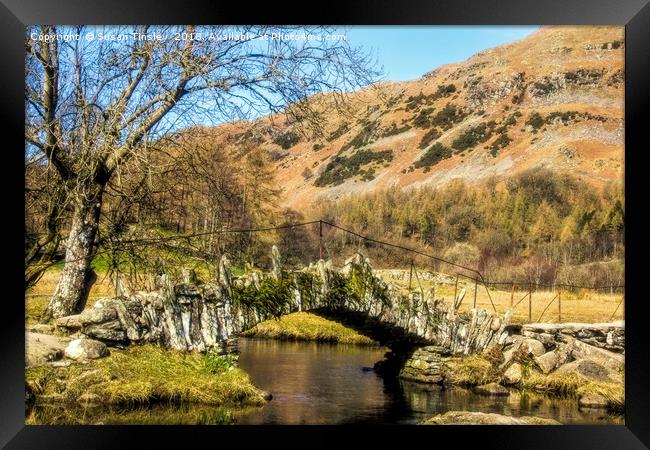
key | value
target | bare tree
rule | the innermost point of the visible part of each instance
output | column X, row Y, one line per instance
column 92, row 104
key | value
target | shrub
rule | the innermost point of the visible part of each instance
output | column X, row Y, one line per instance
column 500, row 142
column 471, row 137
column 565, row 117
column 341, row 168
column 433, row 155
column 447, row 117
column 429, row 137
column 214, row 362
column 365, row 136
column 287, row 140
column 394, row 129
column 340, row 131
column 518, row 98
column 535, row 120
column 422, row 119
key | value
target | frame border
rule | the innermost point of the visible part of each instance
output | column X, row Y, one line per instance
column 634, row 14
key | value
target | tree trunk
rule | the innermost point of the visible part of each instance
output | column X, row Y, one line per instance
column 77, row 277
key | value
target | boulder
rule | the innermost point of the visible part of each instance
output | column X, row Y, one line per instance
column 547, row 362
column 512, row 375
column 71, row 323
column 111, row 332
column 547, row 339
column 535, row 347
column 530, row 347
column 611, row 360
column 491, row 389
column 592, row 400
column 83, row 349
column 587, row 368
column 42, row 348
column 481, row 418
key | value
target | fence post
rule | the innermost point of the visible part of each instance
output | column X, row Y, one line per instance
column 530, row 304
column 455, row 289
column 559, row 306
column 475, row 291
column 512, row 295
column 320, row 239
column 410, row 275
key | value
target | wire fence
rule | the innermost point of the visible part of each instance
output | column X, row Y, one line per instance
column 303, row 243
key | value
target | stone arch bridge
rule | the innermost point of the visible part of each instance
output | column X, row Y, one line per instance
column 190, row 316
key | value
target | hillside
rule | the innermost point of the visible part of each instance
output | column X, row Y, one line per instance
column 553, row 99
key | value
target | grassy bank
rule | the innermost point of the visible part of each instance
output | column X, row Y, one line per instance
column 145, row 375
column 476, row 370
column 574, row 385
column 303, row 326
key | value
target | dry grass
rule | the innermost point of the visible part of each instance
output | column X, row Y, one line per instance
column 574, row 385
column 472, row 370
column 37, row 298
column 581, row 306
column 303, row 326
column 46, row 285
column 186, row 414
column 144, row 375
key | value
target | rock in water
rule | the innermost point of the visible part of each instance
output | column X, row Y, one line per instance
column 491, row 389
column 592, row 400
column 82, row 349
column 481, row 418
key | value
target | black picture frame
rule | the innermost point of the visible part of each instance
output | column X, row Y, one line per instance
column 633, row 14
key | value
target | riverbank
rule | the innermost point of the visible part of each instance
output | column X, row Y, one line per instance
column 302, row 326
column 567, row 368
column 143, row 376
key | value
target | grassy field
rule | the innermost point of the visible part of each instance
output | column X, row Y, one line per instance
column 581, row 306
column 303, row 326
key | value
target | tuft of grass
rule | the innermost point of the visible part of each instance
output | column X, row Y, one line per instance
column 472, row 370
column 302, row 326
column 144, row 375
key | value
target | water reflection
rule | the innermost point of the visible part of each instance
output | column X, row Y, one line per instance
column 325, row 384
column 313, row 383
column 161, row 414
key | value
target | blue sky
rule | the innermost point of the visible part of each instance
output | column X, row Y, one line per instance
column 408, row 52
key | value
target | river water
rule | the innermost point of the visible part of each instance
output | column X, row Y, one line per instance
column 314, row 383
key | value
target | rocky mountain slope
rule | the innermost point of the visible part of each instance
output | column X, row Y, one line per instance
column 554, row 99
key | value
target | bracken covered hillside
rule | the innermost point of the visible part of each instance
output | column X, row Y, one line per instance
column 553, row 99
